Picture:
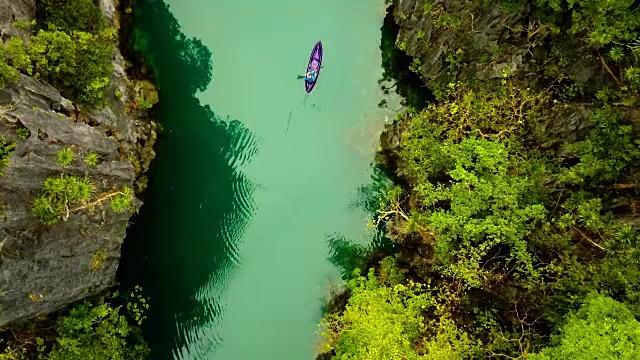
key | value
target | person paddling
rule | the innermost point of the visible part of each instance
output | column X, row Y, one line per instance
column 311, row 76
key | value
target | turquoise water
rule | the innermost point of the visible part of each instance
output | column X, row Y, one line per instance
column 231, row 243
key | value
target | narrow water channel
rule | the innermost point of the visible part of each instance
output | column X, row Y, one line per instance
column 252, row 175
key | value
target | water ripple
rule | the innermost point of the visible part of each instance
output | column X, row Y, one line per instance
column 195, row 330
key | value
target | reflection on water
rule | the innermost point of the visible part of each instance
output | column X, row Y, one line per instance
column 198, row 202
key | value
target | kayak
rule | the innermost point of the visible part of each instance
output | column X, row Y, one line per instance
column 315, row 61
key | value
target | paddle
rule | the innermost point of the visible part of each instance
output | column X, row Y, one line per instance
column 302, row 76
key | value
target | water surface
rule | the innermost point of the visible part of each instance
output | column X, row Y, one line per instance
column 232, row 241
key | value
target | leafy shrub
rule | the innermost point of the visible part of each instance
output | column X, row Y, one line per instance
column 389, row 272
column 379, row 322
column 480, row 199
column 8, row 74
column 72, row 15
column 78, row 63
column 107, row 330
column 97, row 332
column 602, row 329
column 601, row 22
column 607, row 152
column 390, row 322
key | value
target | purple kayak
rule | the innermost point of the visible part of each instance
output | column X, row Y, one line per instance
column 315, row 61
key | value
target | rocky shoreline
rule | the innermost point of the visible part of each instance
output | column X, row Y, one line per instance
column 44, row 267
column 513, row 208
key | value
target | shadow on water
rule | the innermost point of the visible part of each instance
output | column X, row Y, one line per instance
column 198, row 202
column 347, row 255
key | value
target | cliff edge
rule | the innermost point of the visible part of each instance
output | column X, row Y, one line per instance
column 48, row 141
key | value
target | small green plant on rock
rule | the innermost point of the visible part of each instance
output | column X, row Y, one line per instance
column 65, row 157
column 144, row 104
column 122, row 201
column 92, row 159
column 415, row 65
column 24, row 24
column 6, row 149
column 98, row 259
column 59, row 194
column 8, row 74
column 23, row 133
column 66, row 194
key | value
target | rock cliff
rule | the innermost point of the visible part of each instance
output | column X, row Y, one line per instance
column 478, row 43
column 45, row 267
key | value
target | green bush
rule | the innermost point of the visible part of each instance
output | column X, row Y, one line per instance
column 72, row 15
column 78, row 63
column 8, row 74
column 379, row 322
column 105, row 330
column 476, row 197
column 601, row 22
column 608, row 151
column 98, row 332
column 602, row 329
column 390, row 322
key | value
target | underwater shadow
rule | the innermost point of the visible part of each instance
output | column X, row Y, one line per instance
column 198, row 203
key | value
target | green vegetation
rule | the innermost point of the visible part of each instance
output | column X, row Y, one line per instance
column 603, row 328
column 92, row 159
column 59, row 194
column 8, row 74
column 121, row 200
column 23, row 133
column 6, row 149
column 71, row 49
column 65, row 157
column 516, row 200
column 68, row 193
column 106, row 330
column 69, row 16
column 76, row 63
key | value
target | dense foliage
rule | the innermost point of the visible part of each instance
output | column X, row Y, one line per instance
column 69, row 16
column 71, row 49
column 603, row 328
column 519, row 238
column 106, row 330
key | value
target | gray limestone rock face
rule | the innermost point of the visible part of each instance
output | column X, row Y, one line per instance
column 45, row 267
column 12, row 10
